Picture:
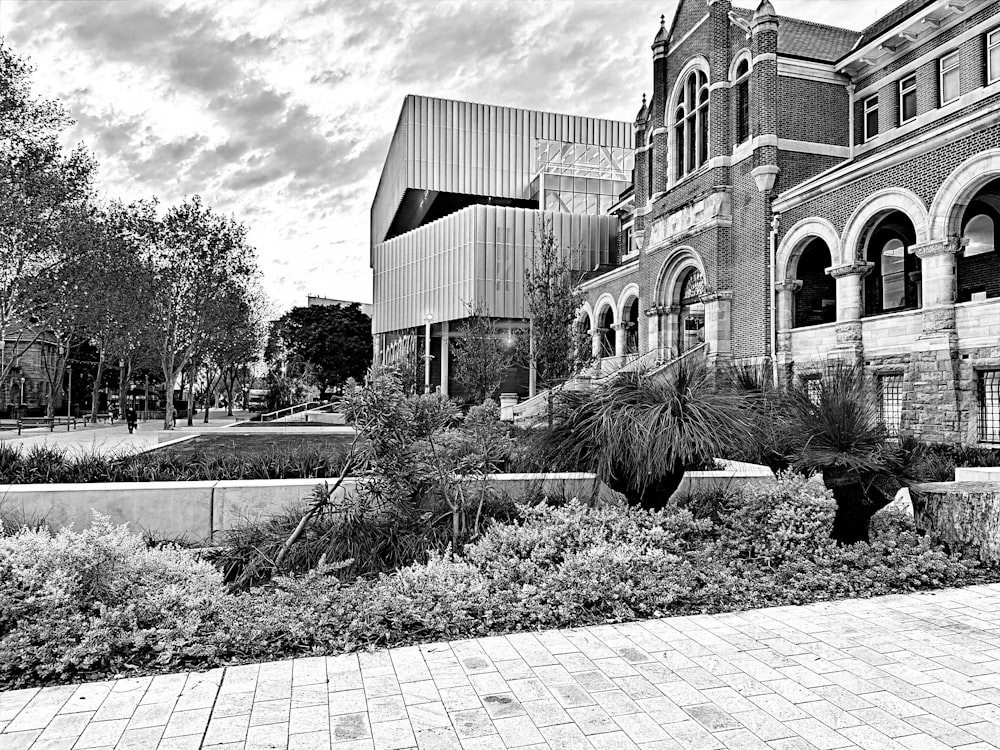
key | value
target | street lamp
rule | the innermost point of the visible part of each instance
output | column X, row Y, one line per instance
column 427, row 352
column 69, row 394
column 246, row 397
column 22, row 390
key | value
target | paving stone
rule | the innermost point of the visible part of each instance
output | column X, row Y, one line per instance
column 592, row 720
column 66, row 725
column 472, row 723
column 565, row 737
column 19, row 740
column 270, row 712
column 102, row 734
column 437, row 738
column 142, row 739
column 347, row 702
column 422, row 691
column 391, row 708
column 267, row 737
column 352, row 726
column 227, row 729
column 502, row 706
column 393, row 735
column 428, row 716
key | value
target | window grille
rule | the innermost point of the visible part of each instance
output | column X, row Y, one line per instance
column 813, row 389
column 890, row 403
column 989, row 406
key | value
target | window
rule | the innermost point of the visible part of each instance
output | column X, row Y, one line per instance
column 743, row 102
column 890, row 403
column 691, row 125
column 993, row 57
column 649, row 166
column 907, row 99
column 871, row 117
column 989, row 406
column 981, row 233
column 814, row 388
column 951, row 78
column 893, row 275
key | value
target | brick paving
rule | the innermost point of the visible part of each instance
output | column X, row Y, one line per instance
column 907, row 672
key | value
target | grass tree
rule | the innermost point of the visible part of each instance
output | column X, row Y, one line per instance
column 640, row 432
column 834, row 427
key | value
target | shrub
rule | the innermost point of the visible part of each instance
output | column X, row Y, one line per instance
column 94, row 602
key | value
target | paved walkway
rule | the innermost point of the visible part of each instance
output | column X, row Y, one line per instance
column 106, row 439
column 919, row 671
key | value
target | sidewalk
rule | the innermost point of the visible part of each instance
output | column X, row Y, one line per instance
column 918, row 671
column 115, row 439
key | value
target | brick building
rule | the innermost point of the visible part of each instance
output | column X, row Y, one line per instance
column 803, row 192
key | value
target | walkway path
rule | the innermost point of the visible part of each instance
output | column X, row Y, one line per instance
column 114, row 439
column 919, row 671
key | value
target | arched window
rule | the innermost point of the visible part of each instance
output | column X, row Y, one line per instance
column 816, row 300
column 981, row 233
column 692, row 313
column 978, row 264
column 895, row 282
column 691, row 124
column 607, row 335
column 649, row 164
column 742, row 102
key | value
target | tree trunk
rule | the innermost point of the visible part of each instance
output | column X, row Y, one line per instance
column 96, row 396
column 655, row 495
column 858, row 499
column 228, row 383
column 208, row 391
column 190, row 402
column 168, row 392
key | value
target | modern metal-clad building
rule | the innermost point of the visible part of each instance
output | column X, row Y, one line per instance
column 463, row 194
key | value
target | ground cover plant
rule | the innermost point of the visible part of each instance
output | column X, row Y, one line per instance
column 79, row 606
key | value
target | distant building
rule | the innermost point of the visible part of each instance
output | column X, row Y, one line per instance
column 464, row 189
column 27, row 380
column 366, row 307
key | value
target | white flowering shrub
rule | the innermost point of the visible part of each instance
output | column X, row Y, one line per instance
column 79, row 604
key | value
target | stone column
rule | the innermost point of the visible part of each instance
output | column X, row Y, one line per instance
column 445, row 353
column 932, row 412
column 850, row 306
column 718, row 325
column 786, row 291
column 621, row 340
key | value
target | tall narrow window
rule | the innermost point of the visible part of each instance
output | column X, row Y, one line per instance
column 893, row 275
column 649, row 165
column 691, row 125
column 890, row 403
column 871, row 117
column 989, row 406
column 993, row 57
column 743, row 102
column 951, row 78
column 907, row 99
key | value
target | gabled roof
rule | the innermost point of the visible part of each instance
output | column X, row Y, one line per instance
column 809, row 40
column 891, row 18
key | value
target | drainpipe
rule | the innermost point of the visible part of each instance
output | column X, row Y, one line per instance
column 775, row 225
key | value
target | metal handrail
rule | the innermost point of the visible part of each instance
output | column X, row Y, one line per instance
column 273, row 415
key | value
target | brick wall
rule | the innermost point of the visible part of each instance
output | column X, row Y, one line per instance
column 813, row 111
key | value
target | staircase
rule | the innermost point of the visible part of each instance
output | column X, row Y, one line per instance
column 652, row 363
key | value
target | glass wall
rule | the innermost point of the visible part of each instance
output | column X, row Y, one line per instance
column 579, row 178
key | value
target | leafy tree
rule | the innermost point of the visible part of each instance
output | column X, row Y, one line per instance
column 552, row 299
column 199, row 259
column 38, row 183
column 334, row 340
column 481, row 354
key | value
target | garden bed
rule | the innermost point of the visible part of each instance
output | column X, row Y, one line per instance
column 99, row 604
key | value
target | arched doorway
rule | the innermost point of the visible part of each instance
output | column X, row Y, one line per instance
column 894, row 283
column 606, row 334
column 816, row 300
column 979, row 263
column 630, row 320
column 691, row 328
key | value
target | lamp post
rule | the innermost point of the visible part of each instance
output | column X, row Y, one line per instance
column 427, row 352
column 69, row 394
column 22, row 391
column 246, row 397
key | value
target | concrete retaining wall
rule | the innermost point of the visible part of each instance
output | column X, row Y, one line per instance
column 977, row 474
column 735, row 475
column 197, row 510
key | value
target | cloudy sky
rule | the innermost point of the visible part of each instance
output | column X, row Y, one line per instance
column 280, row 112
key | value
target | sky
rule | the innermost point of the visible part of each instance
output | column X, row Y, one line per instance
column 280, row 112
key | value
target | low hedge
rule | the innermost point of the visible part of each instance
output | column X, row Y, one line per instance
column 98, row 603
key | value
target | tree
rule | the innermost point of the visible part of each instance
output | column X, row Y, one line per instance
column 335, row 341
column 640, row 432
column 37, row 184
column 552, row 300
column 198, row 259
column 834, row 426
column 481, row 354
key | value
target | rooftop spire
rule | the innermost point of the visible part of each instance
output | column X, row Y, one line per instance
column 661, row 35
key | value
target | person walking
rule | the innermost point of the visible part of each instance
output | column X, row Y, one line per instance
column 131, row 418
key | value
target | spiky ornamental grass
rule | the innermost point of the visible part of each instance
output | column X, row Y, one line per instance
column 640, row 430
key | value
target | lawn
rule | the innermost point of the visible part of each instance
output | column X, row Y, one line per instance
column 243, row 443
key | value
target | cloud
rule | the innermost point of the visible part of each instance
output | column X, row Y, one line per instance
column 281, row 112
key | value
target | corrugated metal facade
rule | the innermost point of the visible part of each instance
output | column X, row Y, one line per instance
column 476, row 254
column 475, row 149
